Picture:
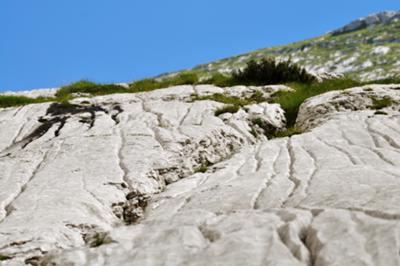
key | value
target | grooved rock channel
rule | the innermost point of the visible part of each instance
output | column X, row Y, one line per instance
column 157, row 179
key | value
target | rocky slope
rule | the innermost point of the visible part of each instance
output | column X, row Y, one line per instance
column 158, row 179
column 366, row 49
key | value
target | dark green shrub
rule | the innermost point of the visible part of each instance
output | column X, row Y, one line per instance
column 268, row 71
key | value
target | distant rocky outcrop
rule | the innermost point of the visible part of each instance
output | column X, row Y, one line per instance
column 363, row 55
column 369, row 21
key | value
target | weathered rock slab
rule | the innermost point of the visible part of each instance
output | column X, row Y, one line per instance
column 328, row 196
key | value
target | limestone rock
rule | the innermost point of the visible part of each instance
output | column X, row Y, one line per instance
column 369, row 21
column 196, row 188
column 95, row 162
column 369, row 98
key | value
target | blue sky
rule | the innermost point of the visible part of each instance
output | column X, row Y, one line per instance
column 48, row 43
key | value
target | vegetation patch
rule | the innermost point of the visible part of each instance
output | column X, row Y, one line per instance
column 89, row 87
column 184, row 78
column 97, row 239
column 268, row 71
column 219, row 80
column 392, row 80
column 233, row 104
column 380, row 113
column 4, row 257
column 267, row 129
column 256, row 97
column 378, row 104
column 12, row 100
column 291, row 131
column 203, row 167
column 271, row 132
column 262, row 72
column 222, row 98
column 227, row 109
column 290, row 101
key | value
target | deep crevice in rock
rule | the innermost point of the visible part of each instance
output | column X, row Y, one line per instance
column 117, row 110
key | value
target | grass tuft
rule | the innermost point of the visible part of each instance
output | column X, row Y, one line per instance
column 380, row 113
column 222, row 98
column 201, row 169
column 219, row 80
column 184, row 78
column 378, row 104
column 291, row 131
column 4, row 257
column 290, row 101
column 97, row 239
column 227, row 109
column 89, row 87
column 11, row 100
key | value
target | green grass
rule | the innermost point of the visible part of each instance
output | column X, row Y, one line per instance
column 219, row 80
column 11, row 100
column 393, row 80
column 291, row 101
column 233, row 104
column 4, row 257
column 201, row 169
column 89, row 87
column 184, row 78
column 218, row 97
column 291, row 131
column 67, row 92
column 380, row 113
column 378, row 104
column 227, row 109
column 97, row 239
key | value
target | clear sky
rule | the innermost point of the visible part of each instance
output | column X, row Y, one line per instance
column 48, row 43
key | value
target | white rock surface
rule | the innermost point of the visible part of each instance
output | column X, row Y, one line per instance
column 67, row 169
column 335, row 103
column 326, row 197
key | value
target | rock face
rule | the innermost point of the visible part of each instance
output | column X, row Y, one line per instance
column 333, row 104
column 158, row 179
column 72, row 170
column 369, row 21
